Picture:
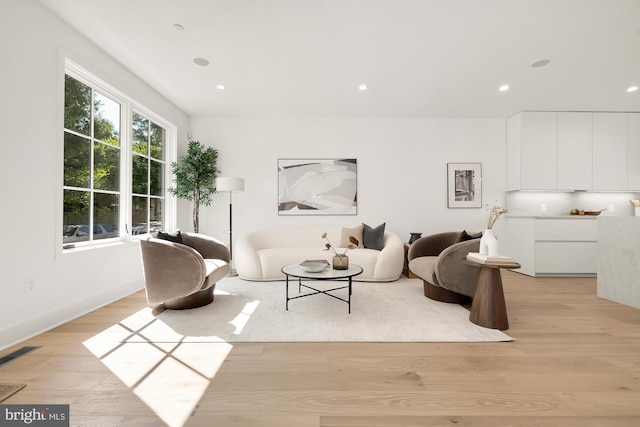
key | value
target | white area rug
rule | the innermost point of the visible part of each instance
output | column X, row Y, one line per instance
column 246, row 311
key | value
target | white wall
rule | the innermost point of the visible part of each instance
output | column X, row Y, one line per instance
column 402, row 169
column 33, row 42
column 401, row 172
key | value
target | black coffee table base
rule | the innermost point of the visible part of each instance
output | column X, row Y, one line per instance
column 294, row 270
column 319, row 291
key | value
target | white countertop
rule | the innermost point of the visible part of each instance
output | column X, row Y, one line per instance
column 558, row 216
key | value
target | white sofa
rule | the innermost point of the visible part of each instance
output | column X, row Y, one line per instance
column 261, row 254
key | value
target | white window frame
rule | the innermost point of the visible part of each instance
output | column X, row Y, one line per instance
column 128, row 106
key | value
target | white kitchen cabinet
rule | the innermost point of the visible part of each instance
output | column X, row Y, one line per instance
column 574, row 151
column 610, row 151
column 566, row 246
column 532, row 144
column 553, row 246
column 520, row 243
column 566, row 258
column 633, row 147
column 514, row 139
column 571, row 229
column 539, row 151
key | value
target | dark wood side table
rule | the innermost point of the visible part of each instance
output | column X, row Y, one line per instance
column 489, row 308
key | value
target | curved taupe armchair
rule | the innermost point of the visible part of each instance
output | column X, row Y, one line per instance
column 183, row 275
column 439, row 261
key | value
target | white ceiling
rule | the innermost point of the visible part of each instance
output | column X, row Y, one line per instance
column 429, row 58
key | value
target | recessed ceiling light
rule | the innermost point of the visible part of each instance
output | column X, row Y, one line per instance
column 503, row 88
column 178, row 27
column 362, row 87
column 632, row 88
column 221, row 87
column 201, row 61
column 540, row 63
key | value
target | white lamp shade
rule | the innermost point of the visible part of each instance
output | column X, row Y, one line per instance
column 224, row 183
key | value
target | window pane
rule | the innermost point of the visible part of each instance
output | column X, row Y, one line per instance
column 77, row 106
column 140, row 127
column 157, row 142
column 156, row 211
column 76, row 216
column 77, row 160
column 105, row 213
column 157, row 183
column 139, row 215
column 106, row 169
column 106, row 121
column 139, row 174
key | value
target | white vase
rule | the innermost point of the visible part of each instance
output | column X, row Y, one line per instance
column 637, row 210
column 489, row 243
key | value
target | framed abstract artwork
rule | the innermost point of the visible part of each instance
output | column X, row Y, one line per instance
column 464, row 185
column 317, row 187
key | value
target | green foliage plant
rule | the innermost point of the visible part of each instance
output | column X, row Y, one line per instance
column 195, row 177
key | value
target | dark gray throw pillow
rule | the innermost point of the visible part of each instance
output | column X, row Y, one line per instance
column 372, row 237
column 172, row 237
column 464, row 236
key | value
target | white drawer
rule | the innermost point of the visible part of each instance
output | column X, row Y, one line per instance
column 571, row 230
column 566, row 257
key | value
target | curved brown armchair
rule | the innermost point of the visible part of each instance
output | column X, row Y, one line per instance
column 439, row 261
column 183, row 275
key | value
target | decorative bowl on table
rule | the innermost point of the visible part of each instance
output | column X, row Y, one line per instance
column 583, row 212
column 314, row 266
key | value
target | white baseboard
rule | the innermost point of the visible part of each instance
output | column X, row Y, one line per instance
column 43, row 322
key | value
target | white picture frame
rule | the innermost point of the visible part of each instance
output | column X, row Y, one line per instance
column 464, row 185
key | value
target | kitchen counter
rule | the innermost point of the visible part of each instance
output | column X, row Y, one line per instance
column 553, row 245
column 619, row 259
column 556, row 216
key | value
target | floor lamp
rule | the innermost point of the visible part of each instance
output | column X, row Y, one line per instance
column 230, row 184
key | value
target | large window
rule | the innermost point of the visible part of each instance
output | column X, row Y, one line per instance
column 114, row 164
column 147, row 175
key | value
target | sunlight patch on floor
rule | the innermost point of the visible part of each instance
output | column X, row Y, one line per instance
column 205, row 358
column 107, row 340
column 243, row 317
column 170, row 378
column 172, row 390
column 139, row 319
column 132, row 363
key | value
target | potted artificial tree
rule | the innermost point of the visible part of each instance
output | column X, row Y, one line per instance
column 195, row 177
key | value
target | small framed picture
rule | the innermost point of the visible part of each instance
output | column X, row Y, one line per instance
column 464, row 185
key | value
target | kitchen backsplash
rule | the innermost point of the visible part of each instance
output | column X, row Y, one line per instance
column 528, row 203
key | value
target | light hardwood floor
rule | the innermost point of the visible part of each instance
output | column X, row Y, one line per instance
column 575, row 361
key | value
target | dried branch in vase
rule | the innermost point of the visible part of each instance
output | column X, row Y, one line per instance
column 494, row 213
column 329, row 246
